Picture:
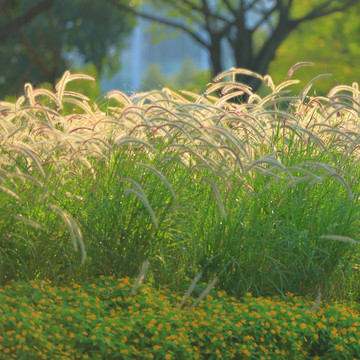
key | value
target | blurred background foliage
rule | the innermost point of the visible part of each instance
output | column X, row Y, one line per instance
column 91, row 36
column 241, row 33
column 189, row 77
column 331, row 43
column 67, row 35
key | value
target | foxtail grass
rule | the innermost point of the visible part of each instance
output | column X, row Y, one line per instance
column 260, row 195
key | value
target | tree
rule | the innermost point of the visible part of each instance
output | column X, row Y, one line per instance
column 64, row 34
column 239, row 22
column 332, row 44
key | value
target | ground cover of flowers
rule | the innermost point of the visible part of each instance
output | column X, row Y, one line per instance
column 100, row 320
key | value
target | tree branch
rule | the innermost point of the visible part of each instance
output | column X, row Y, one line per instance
column 190, row 4
column 267, row 52
column 160, row 20
column 321, row 10
column 266, row 15
column 184, row 5
column 200, row 9
column 250, row 6
column 205, row 9
column 15, row 24
column 229, row 6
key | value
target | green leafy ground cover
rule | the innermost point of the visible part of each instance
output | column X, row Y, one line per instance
column 99, row 320
column 258, row 197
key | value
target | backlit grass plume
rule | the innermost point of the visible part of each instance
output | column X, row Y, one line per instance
column 256, row 192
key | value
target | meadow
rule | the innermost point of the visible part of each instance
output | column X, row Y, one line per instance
column 120, row 213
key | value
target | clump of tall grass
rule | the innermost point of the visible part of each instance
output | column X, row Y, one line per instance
column 262, row 194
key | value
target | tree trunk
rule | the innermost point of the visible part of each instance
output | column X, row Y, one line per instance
column 242, row 47
column 215, row 55
column 259, row 63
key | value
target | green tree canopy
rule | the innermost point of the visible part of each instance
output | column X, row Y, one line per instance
column 66, row 33
column 332, row 44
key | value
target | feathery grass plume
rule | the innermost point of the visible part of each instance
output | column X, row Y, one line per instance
column 226, row 87
column 73, row 229
column 356, row 96
column 143, row 99
column 200, row 112
column 190, row 289
column 317, row 302
column 197, row 98
column 204, row 293
column 330, row 173
column 310, row 175
column 285, row 84
column 29, row 93
column 11, row 131
column 48, row 94
column 169, row 129
column 296, row 66
column 22, row 148
column 251, row 122
column 205, row 163
column 24, row 178
column 140, row 194
column 224, row 99
column 82, row 104
column 75, row 94
column 160, row 176
column 340, row 108
column 66, row 78
column 10, row 192
column 234, row 156
column 349, row 103
column 232, row 72
column 268, row 81
column 344, row 183
column 229, row 137
column 253, row 99
column 275, row 98
column 354, row 90
column 60, row 86
column 140, row 277
column 267, row 159
column 340, row 238
column 32, row 223
column 308, row 86
column 123, row 140
column 119, row 96
column 7, row 108
column 218, row 196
